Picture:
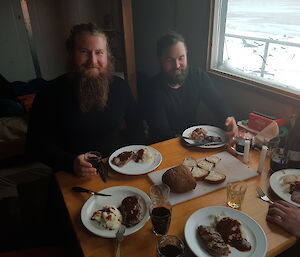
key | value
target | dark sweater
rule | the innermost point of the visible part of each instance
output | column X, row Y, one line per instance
column 170, row 111
column 58, row 131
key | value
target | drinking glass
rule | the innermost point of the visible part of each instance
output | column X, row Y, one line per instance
column 160, row 209
column 94, row 158
column 170, row 246
column 278, row 159
column 235, row 193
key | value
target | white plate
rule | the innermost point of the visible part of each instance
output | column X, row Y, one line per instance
column 211, row 130
column 118, row 193
column 253, row 232
column 276, row 184
column 133, row 168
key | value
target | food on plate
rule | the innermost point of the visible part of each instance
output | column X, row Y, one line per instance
column 213, row 159
column 205, row 165
column 131, row 210
column 223, row 231
column 295, row 191
column 198, row 173
column 140, row 156
column 287, row 181
column 123, row 158
column 201, row 134
column 144, row 155
column 213, row 241
column 109, row 217
column 231, row 232
column 179, row 179
column 215, row 177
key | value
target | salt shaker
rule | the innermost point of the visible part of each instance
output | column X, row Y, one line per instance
column 262, row 158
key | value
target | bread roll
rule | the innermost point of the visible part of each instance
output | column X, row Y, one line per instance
column 179, row 179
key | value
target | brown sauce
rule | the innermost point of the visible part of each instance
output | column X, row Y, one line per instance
column 231, row 233
column 125, row 156
column 139, row 155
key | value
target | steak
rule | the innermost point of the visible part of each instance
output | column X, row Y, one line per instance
column 213, row 241
column 123, row 158
column 131, row 210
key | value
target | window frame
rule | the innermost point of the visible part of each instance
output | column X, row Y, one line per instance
column 213, row 37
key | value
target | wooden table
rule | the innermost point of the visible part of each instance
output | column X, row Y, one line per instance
column 143, row 242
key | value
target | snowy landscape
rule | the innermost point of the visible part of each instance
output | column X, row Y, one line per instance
column 274, row 23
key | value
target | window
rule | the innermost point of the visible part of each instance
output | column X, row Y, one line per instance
column 258, row 40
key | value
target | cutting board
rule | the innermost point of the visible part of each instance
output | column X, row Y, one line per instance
column 233, row 168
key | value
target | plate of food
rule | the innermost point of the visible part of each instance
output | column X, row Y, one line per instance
column 127, row 205
column 286, row 184
column 206, row 134
column 221, row 231
column 135, row 159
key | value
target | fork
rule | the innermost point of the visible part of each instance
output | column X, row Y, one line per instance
column 119, row 237
column 263, row 196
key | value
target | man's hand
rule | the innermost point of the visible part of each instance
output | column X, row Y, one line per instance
column 82, row 168
column 286, row 216
column 231, row 123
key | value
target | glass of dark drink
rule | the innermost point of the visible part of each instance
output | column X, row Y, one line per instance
column 170, row 246
column 94, row 158
column 278, row 159
column 160, row 209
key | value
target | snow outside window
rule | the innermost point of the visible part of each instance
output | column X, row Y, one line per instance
column 258, row 40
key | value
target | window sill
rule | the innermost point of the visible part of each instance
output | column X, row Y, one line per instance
column 248, row 82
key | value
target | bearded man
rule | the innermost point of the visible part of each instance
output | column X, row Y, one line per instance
column 83, row 110
column 177, row 92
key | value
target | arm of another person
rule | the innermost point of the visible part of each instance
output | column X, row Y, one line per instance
column 285, row 215
column 41, row 140
column 217, row 104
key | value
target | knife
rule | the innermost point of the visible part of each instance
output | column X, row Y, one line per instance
column 203, row 142
column 102, row 171
column 88, row 191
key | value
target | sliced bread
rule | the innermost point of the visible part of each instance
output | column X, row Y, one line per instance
column 213, row 159
column 189, row 161
column 215, row 177
column 203, row 164
column 198, row 173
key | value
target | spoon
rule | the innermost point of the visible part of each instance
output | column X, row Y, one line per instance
column 88, row 191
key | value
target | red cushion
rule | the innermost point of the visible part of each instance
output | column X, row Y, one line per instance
column 36, row 252
column 26, row 101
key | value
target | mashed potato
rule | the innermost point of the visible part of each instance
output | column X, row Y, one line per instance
column 147, row 155
column 287, row 180
column 109, row 217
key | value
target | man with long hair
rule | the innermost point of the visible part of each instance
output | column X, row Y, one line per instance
column 84, row 109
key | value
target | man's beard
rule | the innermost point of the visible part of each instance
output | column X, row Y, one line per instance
column 176, row 79
column 93, row 91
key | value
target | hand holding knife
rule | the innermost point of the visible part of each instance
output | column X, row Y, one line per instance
column 102, row 171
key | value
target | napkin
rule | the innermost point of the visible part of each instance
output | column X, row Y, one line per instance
column 269, row 132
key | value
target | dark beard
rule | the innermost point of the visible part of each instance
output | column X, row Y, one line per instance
column 177, row 79
column 93, row 91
